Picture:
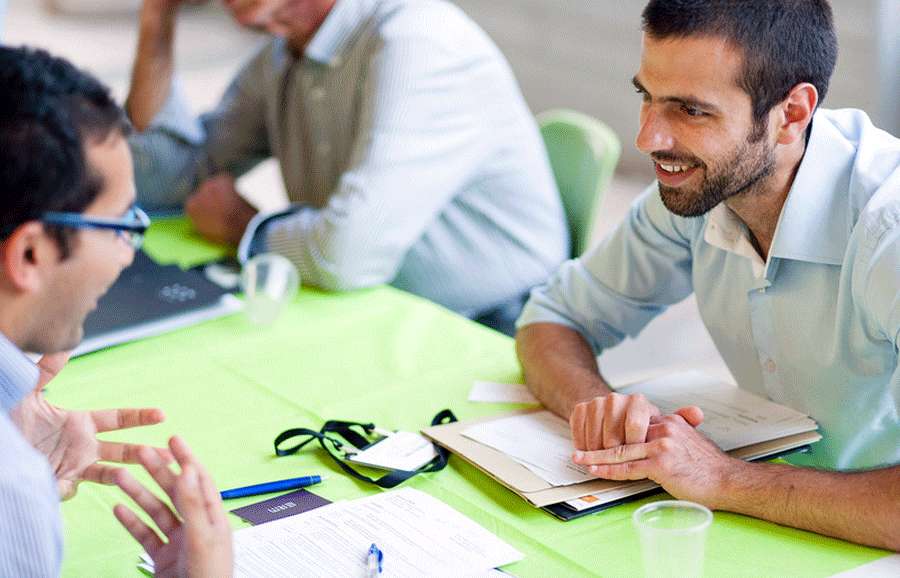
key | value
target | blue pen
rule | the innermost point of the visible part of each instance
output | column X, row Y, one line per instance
column 269, row 487
column 373, row 561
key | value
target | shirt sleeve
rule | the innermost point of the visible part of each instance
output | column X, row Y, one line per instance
column 880, row 268
column 419, row 140
column 619, row 286
column 30, row 533
column 178, row 150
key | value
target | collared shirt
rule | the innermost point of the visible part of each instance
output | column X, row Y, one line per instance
column 815, row 327
column 30, row 523
column 406, row 144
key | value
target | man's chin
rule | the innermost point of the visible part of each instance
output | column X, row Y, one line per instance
column 684, row 203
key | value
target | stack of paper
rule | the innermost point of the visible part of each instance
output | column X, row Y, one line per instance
column 419, row 535
column 530, row 451
column 733, row 418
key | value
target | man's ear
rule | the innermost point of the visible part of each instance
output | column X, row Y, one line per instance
column 795, row 112
column 25, row 256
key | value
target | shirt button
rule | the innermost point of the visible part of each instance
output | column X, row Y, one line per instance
column 317, row 93
column 770, row 366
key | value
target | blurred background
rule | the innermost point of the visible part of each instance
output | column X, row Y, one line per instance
column 577, row 54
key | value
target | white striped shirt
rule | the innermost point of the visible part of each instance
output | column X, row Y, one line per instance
column 406, row 145
column 30, row 524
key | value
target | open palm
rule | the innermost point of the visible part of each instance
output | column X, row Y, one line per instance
column 68, row 438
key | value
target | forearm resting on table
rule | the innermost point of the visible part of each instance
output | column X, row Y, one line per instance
column 559, row 365
column 151, row 76
column 862, row 507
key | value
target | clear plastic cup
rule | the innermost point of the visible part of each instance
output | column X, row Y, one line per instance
column 268, row 282
column 673, row 537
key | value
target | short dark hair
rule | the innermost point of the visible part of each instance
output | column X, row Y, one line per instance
column 49, row 110
column 784, row 42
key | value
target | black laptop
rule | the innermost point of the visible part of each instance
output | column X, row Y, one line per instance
column 150, row 299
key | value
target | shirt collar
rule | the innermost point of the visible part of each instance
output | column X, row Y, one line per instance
column 814, row 225
column 816, row 221
column 339, row 31
column 18, row 375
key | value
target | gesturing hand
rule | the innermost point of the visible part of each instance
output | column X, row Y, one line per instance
column 676, row 456
column 198, row 538
column 69, row 438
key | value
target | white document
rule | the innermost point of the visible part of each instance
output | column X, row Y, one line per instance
column 887, row 567
column 402, row 450
column 491, row 392
column 733, row 418
column 419, row 535
column 540, row 441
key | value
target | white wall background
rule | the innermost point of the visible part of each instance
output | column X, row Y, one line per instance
column 583, row 53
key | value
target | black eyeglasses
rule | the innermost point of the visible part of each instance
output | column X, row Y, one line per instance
column 131, row 227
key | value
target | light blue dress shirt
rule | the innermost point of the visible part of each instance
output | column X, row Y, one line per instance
column 405, row 144
column 816, row 327
column 30, row 524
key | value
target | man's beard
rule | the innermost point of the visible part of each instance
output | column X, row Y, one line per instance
column 747, row 167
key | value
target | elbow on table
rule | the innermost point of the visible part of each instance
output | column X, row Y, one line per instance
column 351, row 278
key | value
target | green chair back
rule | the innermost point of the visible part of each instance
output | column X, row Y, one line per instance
column 583, row 153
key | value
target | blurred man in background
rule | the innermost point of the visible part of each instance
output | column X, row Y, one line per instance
column 404, row 143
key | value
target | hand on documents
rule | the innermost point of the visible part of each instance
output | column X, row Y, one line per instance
column 69, row 438
column 676, row 456
column 198, row 540
column 612, row 420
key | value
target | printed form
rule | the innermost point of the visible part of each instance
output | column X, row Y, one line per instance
column 419, row 535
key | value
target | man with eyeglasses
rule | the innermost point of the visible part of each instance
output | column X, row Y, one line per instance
column 68, row 226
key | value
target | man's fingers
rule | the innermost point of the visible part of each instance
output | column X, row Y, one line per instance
column 614, row 421
column 191, row 504
column 206, row 487
column 593, row 424
column 691, row 414
column 615, row 455
column 101, row 474
column 576, row 424
column 181, row 451
column 637, row 420
column 116, row 419
column 50, row 365
column 158, row 511
column 140, row 531
column 158, row 469
column 638, row 470
column 128, row 453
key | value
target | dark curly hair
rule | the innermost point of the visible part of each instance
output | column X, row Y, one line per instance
column 784, row 42
column 49, row 110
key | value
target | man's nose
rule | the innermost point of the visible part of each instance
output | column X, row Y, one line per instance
column 655, row 134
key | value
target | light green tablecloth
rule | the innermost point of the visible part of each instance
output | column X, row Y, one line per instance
column 229, row 387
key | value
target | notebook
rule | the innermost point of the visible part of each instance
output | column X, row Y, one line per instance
column 541, row 471
column 150, row 299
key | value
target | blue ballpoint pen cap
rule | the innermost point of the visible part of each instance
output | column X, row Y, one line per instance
column 374, row 559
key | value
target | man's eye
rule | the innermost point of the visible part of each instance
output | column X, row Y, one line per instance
column 692, row 111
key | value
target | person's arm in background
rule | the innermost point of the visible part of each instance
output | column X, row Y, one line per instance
column 174, row 151
column 421, row 137
column 591, row 304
